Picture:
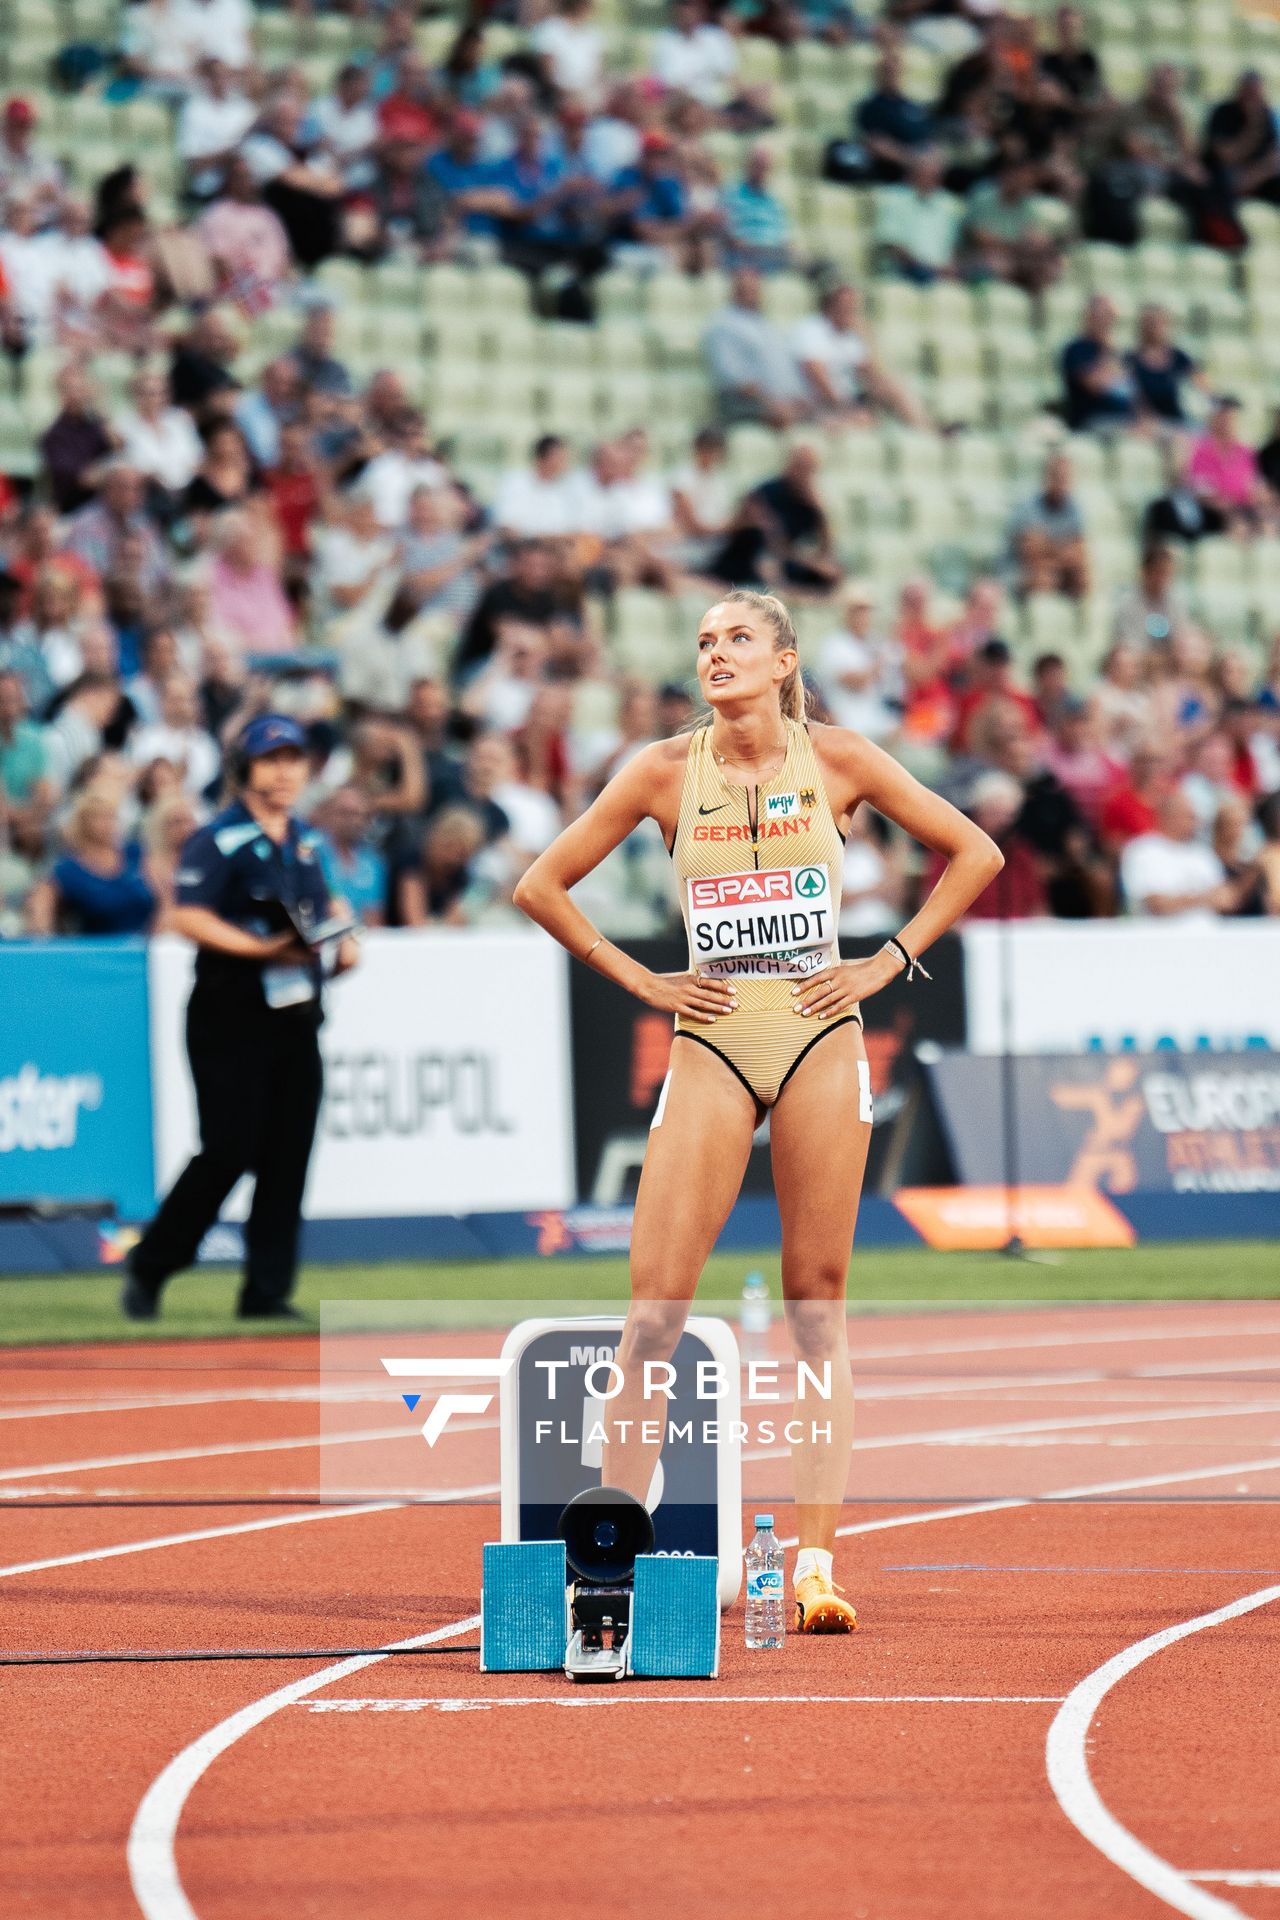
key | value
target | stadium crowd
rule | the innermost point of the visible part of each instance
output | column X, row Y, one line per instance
column 302, row 540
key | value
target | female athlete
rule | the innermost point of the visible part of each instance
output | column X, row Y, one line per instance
column 753, row 805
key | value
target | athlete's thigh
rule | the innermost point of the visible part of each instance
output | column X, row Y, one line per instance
column 693, row 1168
column 819, row 1133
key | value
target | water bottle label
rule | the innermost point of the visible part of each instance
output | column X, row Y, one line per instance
column 765, row 1585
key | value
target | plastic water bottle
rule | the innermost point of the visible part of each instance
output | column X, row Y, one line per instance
column 766, row 1627
column 754, row 1317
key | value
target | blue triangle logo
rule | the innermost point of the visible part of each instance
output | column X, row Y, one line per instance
column 411, row 1400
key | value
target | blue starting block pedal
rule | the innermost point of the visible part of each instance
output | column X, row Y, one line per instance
column 675, row 1617
column 524, row 1607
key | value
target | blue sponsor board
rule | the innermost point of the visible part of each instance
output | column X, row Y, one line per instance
column 1180, row 1123
column 75, row 1079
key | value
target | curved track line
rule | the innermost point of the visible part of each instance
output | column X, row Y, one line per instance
column 153, row 1866
column 152, row 1861
column 1067, row 1764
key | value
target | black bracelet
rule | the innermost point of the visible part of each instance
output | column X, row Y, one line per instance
column 895, row 946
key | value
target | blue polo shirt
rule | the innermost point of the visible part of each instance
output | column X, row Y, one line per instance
column 240, row 873
column 464, row 176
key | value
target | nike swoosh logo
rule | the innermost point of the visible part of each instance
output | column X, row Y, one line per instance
column 719, row 809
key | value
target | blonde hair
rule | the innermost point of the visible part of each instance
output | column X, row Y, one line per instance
column 793, row 695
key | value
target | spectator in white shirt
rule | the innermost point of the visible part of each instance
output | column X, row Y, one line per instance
column 77, row 265
column 542, row 501
column 572, row 51
column 344, row 126
column 859, row 671
column 29, row 286
column 214, row 120
column 155, row 48
column 57, row 277
column 703, row 501
column 694, row 57
column 917, row 226
column 1170, row 873
column 752, row 363
column 355, row 558
column 630, row 514
column 612, row 140
column 159, row 440
column 218, row 27
column 178, row 736
column 837, row 358
column 393, row 476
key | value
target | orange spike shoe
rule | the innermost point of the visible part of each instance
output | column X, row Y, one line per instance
column 819, row 1608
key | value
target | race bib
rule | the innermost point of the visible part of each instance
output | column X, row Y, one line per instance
column 780, row 920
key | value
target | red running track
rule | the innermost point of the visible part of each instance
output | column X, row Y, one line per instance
column 904, row 1772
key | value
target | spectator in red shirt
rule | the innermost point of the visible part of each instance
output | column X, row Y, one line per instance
column 1076, row 757
column 409, row 111
column 293, row 489
column 124, row 309
column 1132, row 807
column 991, row 678
column 1018, row 891
column 1239, row 721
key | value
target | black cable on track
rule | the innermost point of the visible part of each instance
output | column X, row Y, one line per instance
column 193, row 1655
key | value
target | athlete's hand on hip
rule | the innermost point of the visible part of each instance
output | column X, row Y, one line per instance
column 838, row 989
column 697, row 996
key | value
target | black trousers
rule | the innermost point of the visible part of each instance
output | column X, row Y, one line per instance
column 258, row 1084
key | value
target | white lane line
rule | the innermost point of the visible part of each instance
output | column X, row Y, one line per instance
column 1010, row 1504
column 1067, row 1763
column 937, row 1436
column 1256, row 1363
column 202, row 1397
column 203, row 1533
column 153, row 1869
column 929, row 1387
column 453, row 1496
column 617, row 1696
column 220, row 1450
column 1238, row 1877
column 1112, row 1336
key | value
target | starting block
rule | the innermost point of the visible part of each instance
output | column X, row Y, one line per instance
column 524, row 1607
column 624, row 1611
column 675, row 1618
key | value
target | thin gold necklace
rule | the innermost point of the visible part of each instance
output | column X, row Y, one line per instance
column 743, row 766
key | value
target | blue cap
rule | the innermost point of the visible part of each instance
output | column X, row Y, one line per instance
column 764, row 1519
column 268, row 733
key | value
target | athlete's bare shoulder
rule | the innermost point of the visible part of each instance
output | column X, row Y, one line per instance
column 845, row 758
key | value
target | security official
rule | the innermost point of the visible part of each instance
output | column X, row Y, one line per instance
column 249, row 892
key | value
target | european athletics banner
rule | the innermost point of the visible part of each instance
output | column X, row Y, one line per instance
column 1191, row 1123
column 75, row 1079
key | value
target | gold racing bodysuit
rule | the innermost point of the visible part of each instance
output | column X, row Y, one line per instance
column 759, row 870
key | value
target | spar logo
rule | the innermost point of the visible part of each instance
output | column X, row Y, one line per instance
column 448, row 1403
column 781, row 885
